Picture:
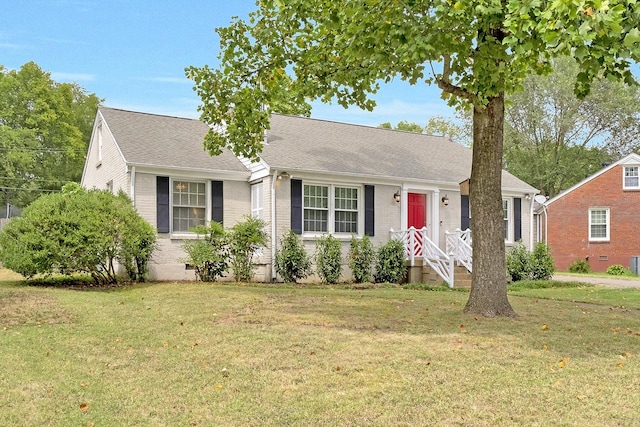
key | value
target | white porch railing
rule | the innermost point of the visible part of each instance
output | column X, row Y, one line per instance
column 459, row 246
column 418, row 245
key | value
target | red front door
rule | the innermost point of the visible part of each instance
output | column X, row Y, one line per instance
column 417, row 210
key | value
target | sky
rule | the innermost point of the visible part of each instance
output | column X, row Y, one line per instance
column 132, row 53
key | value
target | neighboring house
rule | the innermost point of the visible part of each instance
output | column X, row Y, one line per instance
column 314, row 177
column 597, row 219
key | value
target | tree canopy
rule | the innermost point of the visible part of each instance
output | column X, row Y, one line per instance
column 554, row 139
column 475, row 51
column 45, row 128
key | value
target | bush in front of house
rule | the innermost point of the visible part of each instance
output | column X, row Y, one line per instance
column 209, row 253
column 361, row 258
column 616, row 270
column 542, row 264
column 580, row 266
column 245, row 238
column 328, row 258
column 525, row 265
column 390, row 266
column 292, row 261
column 79, row 231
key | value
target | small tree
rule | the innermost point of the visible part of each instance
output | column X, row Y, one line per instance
column 525, row 265
column 208, row 254
column 542, row 264
column 328, row 259
column 245, row 238
column 390, row 265
column 78, row 231
column 361, row 257
column 292, row 260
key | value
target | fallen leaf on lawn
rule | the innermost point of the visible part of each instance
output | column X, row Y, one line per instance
column 83, row 385
column 461, row 325
column 620, row 365
column 165, row 344
column 312, row 353
column 545, row 347
column 338, row 368
column 121, row 303
column 562, row 364
column 545, row 327
column 581, row 397
column 218, row 386
column 84, row 407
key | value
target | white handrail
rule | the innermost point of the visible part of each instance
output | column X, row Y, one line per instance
column 418, row 245
column 459, row 246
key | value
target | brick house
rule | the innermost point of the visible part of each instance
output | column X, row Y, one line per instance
column 314, row 177
column 597, row 219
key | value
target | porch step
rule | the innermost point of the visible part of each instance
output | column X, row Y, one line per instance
column 461, row 277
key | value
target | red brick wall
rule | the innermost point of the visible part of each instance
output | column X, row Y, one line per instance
column 568, row 223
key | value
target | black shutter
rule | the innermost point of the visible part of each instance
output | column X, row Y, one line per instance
column 464, row 213
column 296, row 206
column 369, row 210
column 517, row 219
column 217, row 202
column 162, row 204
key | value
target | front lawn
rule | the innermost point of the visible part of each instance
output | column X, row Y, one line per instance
column 173, row 354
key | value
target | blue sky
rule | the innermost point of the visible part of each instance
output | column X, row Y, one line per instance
column 133, row 53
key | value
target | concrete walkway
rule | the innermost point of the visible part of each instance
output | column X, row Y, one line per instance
column 611, row 282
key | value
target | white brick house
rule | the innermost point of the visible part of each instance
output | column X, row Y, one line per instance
column 314, row 177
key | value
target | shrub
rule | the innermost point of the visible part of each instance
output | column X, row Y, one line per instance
column 390, row 265
column 580, row 266
column 519, row 262
column 78, row 231
column 328, row 259
column 525, row 265
column 542, row 265
column 361, row 257
column 245, row 238
column 292, row 260
column 616, row 270
column 209, row 253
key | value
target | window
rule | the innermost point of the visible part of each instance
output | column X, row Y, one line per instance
column 99, row 132
column 189, row 205
column 506, row 215
column 631, row 177
column 346, row 210
column 336, row 214
column 257, row 201
column 599, row 224
column 110, row 186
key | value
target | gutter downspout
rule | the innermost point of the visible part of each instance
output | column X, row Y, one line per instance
column 274, row 229
column 531, row 203
column 133, row 185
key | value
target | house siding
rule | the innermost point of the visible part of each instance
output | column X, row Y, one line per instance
column 111, row 168
column 567, row 220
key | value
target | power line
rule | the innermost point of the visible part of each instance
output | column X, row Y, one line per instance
column 30, row 189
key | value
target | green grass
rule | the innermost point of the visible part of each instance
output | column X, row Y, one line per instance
column 174, row 354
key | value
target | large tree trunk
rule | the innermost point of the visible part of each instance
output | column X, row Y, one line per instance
column 489, row 284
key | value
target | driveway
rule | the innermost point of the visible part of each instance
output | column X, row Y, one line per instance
column 611, row 282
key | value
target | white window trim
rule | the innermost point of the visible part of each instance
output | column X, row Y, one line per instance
column 624, row 181
column 207, row 205
column 331, row 210
column 607, row 223
column 509, row 236
column 257, row 200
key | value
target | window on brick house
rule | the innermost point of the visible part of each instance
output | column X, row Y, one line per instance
column 330, row 209
column 189, row 205
column 631, row 178
column 599, row 224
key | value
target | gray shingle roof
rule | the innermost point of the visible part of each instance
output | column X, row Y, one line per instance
column 154, row 140
column 303, row 144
